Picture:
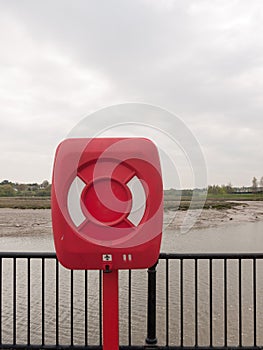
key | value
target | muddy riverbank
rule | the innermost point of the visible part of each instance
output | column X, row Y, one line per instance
column 29, row 222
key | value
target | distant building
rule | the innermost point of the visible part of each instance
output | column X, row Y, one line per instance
column 246, row 190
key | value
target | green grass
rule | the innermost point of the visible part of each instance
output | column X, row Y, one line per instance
column 221, row 201
column 237, row 196
column 225, row 201
column 25, row 202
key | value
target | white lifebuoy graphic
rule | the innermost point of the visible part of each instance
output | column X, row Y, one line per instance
column 73, row 201
column 138, row 201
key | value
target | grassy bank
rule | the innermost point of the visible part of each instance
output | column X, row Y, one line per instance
column 237, row 197
column 25, row 202
column 232, row 199
column 225, row 201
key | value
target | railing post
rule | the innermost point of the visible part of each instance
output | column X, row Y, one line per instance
column 151, row 314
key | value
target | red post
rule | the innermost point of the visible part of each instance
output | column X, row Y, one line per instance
column 110, row 310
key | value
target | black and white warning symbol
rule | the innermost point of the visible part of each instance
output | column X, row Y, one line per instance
column 106, row 257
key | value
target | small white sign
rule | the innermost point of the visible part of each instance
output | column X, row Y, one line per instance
column 106, row 257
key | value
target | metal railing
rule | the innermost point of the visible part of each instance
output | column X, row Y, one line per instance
column 185, row 301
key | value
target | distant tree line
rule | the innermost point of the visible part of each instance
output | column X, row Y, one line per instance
column 256, row 187
column 14, row 189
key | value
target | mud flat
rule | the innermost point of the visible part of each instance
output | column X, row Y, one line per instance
column 19, row 222
column 250, row 211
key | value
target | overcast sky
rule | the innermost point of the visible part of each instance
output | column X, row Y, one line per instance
column 62, row 60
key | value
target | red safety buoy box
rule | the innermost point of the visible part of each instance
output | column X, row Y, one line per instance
column 107, row 203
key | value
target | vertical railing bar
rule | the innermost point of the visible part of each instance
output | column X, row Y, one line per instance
column 211, row 299
column 1, row 286
column 57, row 303
column 225, row 301
column 151, row 309
column 129, row 308
column 182, row 300
column 240, row 300
column 43, row 299
column 196, row 302
column 28, row 301
column 255, row 299
column 167, row 300
column 71, row 307
column 14, row 301
column 86, row 308
column 100, row 307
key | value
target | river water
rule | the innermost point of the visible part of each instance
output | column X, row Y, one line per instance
column 30, row 230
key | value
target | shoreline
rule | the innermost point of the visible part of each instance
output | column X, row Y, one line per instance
column 38, row 221
column 244, row 212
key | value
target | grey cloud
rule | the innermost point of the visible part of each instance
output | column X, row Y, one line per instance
column 202, row 60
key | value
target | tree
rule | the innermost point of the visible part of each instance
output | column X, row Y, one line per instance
column 216, row 189
column 5, row 182
column 254, row 184
column 227, row 188
column 7, row 191
column 44, row 184
column 261, row 182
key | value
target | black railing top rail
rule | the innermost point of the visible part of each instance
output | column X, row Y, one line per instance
column 170, row 256
column 26, row 255
column 162, row 256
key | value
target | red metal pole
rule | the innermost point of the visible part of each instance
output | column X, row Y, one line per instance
column 110, row 310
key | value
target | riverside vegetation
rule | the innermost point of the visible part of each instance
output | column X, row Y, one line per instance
column 37, row 196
